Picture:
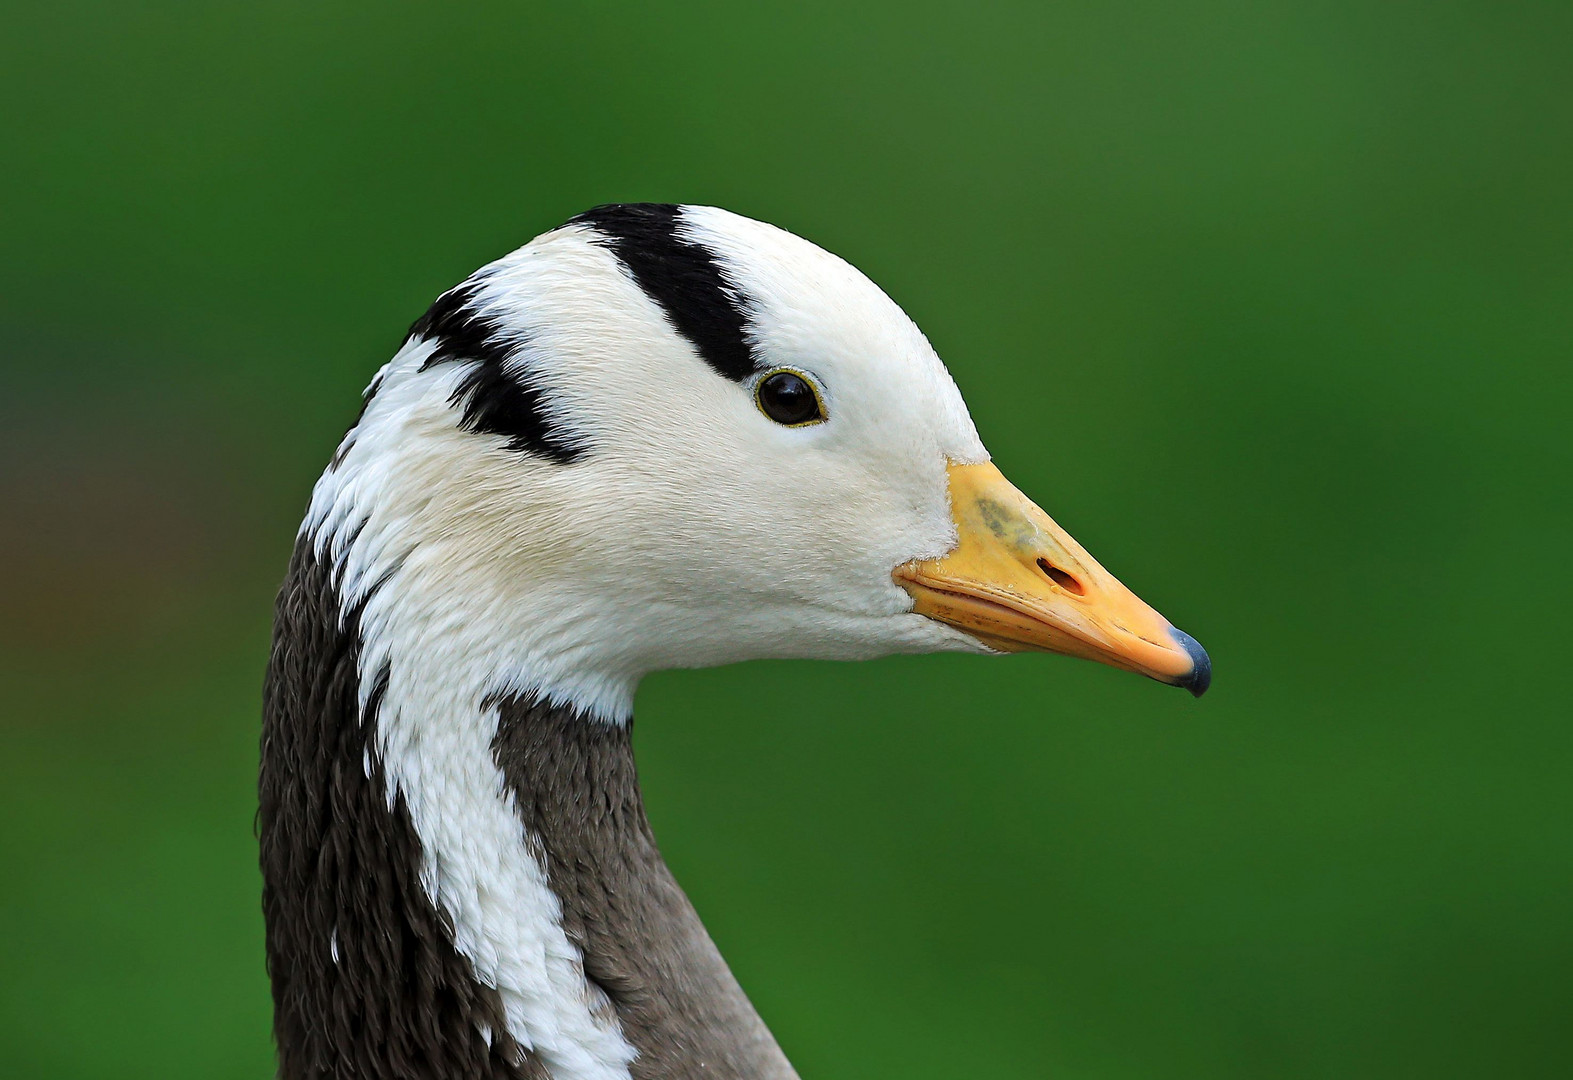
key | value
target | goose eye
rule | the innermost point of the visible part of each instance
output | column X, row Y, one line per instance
column 788, row 398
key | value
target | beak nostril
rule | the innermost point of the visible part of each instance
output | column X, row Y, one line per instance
column 1065, row 581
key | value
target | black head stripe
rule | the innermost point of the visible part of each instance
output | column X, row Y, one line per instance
column 497, row 397
column 683, row 277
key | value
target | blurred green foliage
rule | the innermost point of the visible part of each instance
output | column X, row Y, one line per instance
column 1269, row 303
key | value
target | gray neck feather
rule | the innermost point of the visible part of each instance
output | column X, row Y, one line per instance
column 366, row 980
column 577, row 791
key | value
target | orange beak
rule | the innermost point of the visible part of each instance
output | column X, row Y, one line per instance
column 1017, row 582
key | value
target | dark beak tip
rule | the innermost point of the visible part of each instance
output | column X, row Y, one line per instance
column 1201, row 676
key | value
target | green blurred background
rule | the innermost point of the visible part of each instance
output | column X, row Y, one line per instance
column 1269, row 303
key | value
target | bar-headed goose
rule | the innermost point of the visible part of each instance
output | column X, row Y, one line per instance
column 655, row 437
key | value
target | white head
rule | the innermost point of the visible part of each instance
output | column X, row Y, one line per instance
column 570, row 473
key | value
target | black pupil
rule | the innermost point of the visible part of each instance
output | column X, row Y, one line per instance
column 788, row 399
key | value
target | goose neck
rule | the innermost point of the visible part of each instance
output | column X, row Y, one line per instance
column 460, row 878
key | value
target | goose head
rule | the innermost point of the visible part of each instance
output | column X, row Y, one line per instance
column 655, row 437
column 663, row 437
